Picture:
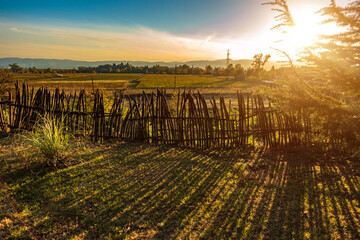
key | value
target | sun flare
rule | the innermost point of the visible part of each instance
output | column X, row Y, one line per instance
column 308, row 27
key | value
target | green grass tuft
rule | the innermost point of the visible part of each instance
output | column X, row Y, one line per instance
column 50, row 138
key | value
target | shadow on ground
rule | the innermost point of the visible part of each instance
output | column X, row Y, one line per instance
column 139, row 191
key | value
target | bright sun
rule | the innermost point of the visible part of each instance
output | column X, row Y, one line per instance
column 306, row 29
column 308, row 26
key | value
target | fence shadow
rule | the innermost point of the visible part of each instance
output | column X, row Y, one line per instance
column 164, row 192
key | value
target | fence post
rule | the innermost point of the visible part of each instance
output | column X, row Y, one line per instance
column 9, row 103
column 193, row 125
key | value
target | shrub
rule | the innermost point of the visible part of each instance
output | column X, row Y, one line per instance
column 5, row 79
column 49, row 136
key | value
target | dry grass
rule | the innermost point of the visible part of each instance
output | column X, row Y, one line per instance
column 71, row 82
column 72, row 86
column 187, row 81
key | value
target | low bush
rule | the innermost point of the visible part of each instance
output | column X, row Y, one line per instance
column 51, row 139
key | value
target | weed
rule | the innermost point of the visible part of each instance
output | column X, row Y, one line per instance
column 50, row 138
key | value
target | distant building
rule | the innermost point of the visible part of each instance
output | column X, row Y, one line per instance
column 58, row 75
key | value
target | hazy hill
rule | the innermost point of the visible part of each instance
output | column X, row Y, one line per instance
column 68, row 64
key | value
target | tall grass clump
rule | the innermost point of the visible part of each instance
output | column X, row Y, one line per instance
column 50, row 137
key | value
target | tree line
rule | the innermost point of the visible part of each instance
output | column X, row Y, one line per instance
column 256, row 70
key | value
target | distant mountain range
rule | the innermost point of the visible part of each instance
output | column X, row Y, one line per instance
column 69, row 64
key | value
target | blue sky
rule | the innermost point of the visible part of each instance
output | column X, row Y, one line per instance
column 154, row 30
column 173, row 16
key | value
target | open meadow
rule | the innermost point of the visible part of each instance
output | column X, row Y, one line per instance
column 133, row 82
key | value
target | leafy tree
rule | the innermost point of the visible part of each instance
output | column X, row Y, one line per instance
column 229, row 69
column 218, row 71
column 341, row 52
column 33, row 70
column 15, row 68
column 334, row 102
column 49, row 70
column 240, row 72
column 208, row 69
column 284, row 17
column 259, row 61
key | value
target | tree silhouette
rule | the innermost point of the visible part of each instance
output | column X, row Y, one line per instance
column 259, row 61
column 284, row 17
column 335, row 101
column 15, row 68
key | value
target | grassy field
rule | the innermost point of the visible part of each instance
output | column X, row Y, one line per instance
column 71, row 86
column 76, row 77
column 133, row 191
column 76, row 82
column 187, row 81
column 108, row 82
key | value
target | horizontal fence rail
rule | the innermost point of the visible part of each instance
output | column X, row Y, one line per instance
column 186, row 119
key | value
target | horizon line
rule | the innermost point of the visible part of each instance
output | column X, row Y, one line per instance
column 66, row 59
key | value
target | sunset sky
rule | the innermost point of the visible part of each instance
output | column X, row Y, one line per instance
column 149, row 30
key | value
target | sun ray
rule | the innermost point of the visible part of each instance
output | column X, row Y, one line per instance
column 308, row 28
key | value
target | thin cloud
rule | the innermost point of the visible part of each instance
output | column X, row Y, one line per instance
column 20, row 30
column 15, row 29
column 137, row 43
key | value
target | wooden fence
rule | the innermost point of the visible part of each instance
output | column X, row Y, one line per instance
column 186, row 118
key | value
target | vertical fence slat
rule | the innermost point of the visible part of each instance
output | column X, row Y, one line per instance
column 152, row 118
